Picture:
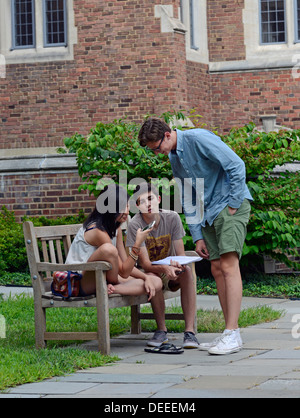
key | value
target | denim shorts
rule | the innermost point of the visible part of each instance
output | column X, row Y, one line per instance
column 228, row 232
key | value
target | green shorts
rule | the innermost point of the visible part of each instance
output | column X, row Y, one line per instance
column 228, row 232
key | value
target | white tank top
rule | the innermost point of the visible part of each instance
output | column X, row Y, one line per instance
column 80, row 250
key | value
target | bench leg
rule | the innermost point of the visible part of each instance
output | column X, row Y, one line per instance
column 102, row 313
column 135, row 319
column 40, row 325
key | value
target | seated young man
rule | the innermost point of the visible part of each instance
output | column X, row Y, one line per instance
column 164, row 240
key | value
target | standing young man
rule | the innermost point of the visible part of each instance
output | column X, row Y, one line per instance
column 164, row 240
column 219, row 235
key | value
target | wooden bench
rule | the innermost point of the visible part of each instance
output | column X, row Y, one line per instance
column 47, row 247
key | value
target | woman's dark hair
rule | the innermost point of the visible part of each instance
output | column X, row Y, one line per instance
column 110, row 204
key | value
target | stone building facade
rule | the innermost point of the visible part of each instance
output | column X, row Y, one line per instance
column 67, row 64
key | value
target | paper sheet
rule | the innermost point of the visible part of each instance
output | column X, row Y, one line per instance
column 180, row 259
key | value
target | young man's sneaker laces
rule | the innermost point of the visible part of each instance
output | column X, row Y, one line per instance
column 229, row 343
column 158, row 339
column 207, row 346
column 190, row 340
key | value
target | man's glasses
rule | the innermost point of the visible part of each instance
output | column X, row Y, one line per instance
column 158, row 148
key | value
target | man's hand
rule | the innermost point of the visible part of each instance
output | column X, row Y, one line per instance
column 231, row 210
column 201, row 249
column 170, row 271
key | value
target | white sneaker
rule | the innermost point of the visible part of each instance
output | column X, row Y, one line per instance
column 207, row 346
column 230, row 342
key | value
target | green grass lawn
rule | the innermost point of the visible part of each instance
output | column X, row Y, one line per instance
column 21, row 363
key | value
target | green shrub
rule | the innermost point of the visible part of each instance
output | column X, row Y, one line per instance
column 274, row 224
column 13, row 257
column 111, row 148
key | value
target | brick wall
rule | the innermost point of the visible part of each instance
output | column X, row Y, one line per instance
column 48, row 194
column 199, row 91
column 227, row 100
column 123, row 66
column 238, row 98
column 225, row 30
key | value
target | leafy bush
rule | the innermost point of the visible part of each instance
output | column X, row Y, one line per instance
column 15, row 279
column 13, row 257
column 12, row 248
column 111, row 148
column 274, row 224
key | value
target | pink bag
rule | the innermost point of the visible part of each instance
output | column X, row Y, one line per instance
column 66, row 284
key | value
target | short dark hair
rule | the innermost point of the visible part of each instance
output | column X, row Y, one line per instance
column 152, row 130
column 144, row 188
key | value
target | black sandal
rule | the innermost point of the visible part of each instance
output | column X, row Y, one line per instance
column 165, row 349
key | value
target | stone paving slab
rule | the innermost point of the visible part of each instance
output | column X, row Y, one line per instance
column 107, row 390
column 282, row 354
column 224, row 393
column 52, row 387
column 280, row 385
column 219, row 382
column 133, row 369
column 122, row 378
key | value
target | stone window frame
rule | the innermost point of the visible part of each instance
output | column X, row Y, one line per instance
column 252, row 34
column 40, row 52
column 263, row 56
column 193, row 14
column 267, row 33
column 297, row 21
column 59, row 32
column 29, row 16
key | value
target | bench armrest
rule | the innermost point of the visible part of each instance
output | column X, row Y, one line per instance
column 191, row 254
column 89, row 266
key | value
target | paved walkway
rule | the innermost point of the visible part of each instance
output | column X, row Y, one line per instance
column 267, row 367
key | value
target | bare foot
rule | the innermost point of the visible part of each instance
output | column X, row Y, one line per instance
column 110, row 289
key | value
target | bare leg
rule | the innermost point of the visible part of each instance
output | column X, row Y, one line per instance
column 188, row 303
column 234, row 288
column 158, row 307
column 227, row 274
column 220, row 282
column 109, row 253
column 133, row 286
column 188, row 299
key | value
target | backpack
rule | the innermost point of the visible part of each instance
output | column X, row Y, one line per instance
column 66, row 284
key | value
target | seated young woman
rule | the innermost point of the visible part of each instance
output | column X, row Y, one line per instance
column 100, row 239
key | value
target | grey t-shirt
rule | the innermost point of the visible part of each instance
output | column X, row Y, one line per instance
column 159, row 241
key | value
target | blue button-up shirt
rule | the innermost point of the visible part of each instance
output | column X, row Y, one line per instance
column 210, row 176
